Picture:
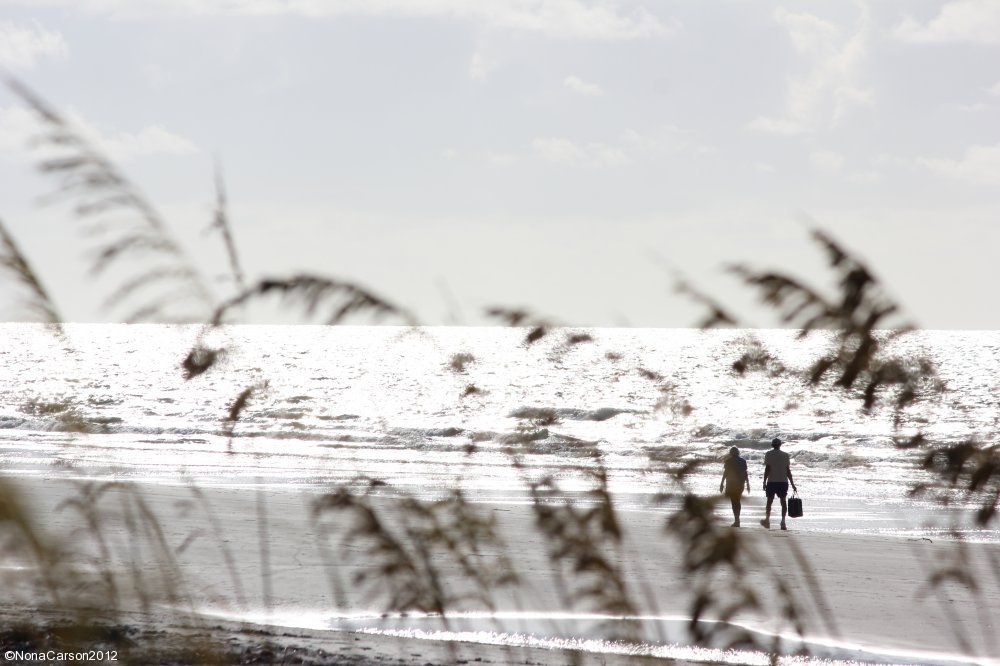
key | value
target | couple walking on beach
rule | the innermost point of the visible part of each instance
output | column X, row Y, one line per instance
column 777, row 476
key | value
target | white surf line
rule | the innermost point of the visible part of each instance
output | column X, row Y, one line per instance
column 597, row 646
column 846, row 652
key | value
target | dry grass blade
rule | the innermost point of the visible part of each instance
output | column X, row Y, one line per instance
column 515, row 317
column 397, row 567
column 856, row 360
column 19, row 533
column 935, row 577
column 707, row 545
column 816, row 594
column 86, row 505
column 128, row 232
column 971, row 468
column 757, row 358
column 470, row 539
column 539, row 327
column 38, row 301
column 407, row 552
column 220, row 223
column 218, row 533
column 199, row 360
column 238, row 406
column 717, row 316
column 149, row 278
column 584, row 547
column 173, row 588
column 344, row 298
column 156, row 308
column 264, row 548
column 716, row 560
column 797, row 302
column 460, row 361
column 136, row 243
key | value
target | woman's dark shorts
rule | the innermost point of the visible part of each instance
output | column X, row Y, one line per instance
column 779, row 488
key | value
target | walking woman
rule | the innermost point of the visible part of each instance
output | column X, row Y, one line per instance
column 734, row 478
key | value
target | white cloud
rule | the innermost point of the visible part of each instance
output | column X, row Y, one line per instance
column 19, row 126
column 826, row 160
column 782, row 126
column 830, row 89
column 763, row 167
column 665, row 141
column 125, row 146
column 994, row 90
column 980, row 164
column 564, row 151
column 668, row 139
column 21, row 47
column 501, row 159
column 975, row 21
column 973, row 107
column 582, row 87
column 152, row 140
column 583, row 19
column 887, row 160
column 866, row 177
column 481, row 66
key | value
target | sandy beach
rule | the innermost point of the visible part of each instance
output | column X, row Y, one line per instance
column 241, row 557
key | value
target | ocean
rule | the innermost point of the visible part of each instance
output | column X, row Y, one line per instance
column 426, row 409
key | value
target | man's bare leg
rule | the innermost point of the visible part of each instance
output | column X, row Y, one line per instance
column 766, row 521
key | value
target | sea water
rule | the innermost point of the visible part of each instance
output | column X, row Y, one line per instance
column 426, row 409
column 431, row 408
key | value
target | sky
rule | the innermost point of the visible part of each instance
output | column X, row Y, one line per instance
column 565, row 156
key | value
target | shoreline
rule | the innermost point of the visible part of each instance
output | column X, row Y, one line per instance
column 228, row 642
column 870, row 585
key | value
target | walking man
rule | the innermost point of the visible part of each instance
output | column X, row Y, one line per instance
column 777, row 476
column 734, row 477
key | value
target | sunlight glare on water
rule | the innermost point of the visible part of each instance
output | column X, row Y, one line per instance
column 394, row 404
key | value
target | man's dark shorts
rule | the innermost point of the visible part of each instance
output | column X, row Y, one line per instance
column 779, row 488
